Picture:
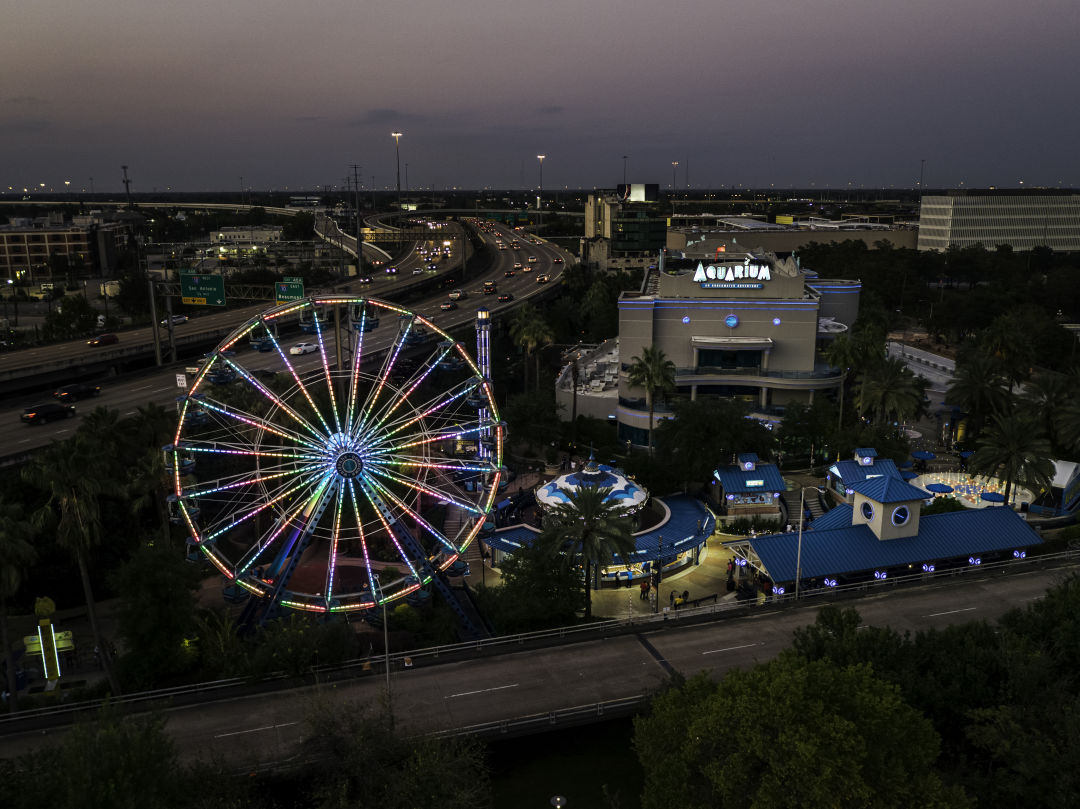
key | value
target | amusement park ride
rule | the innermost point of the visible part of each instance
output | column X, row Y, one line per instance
column 343, row 479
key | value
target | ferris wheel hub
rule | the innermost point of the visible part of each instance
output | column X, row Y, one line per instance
column 349, row 465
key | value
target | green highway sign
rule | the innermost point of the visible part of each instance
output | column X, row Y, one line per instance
column 289, row 289
column 202, row 290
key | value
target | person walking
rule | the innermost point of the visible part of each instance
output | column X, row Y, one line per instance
column 671, row 599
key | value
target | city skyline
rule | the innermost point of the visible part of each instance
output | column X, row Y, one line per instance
column 276, row 96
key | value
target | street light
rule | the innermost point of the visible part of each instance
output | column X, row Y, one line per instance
column 540, row 193
column 397, row 149
column 674, row 166
column 802, row 518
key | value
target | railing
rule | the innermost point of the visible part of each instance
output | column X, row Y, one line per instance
column 597, row 629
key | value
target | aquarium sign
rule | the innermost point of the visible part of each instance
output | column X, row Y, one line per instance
column 749, row 275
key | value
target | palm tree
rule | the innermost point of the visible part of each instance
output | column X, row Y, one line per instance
column 979, row 390
column 16, row 554
column 147, row 486
column 589, row 530
column 1015, row 449
column 1047, row 395
column 529, row 330
column 889, row 390
column 70, row 473
column 152, row 426
column 656, row 374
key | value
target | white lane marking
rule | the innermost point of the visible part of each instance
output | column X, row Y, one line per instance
column 24, row 441
column 144, row 387
column 481, row 691
column 254, row 730
column 732, row 648
column 949, row 612
column 130, row 413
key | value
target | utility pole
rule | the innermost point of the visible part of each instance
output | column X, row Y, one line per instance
column 359, row 244
column 922, row 171
column 127, row 188
column 625, row 157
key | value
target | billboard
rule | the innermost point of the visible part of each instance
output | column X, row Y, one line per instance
column 638, row 192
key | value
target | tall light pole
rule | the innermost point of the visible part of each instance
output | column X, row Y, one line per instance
column 397, row 149
column 798, row 552
column 540, row 193
column 674, row 166
column 625, row 157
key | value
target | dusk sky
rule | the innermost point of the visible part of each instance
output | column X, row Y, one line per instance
column 791, row 93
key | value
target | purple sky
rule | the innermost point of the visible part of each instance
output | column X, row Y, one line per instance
column 193, row 95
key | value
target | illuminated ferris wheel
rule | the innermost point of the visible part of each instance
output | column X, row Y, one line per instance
column 342, row 470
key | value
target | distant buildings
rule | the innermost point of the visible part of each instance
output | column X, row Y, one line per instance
column 623, row 231
column 1022, row 220
column 31, row 251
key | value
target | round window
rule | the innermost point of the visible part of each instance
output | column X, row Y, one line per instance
column 900, row 515
column 731, row 321
column 868, row 511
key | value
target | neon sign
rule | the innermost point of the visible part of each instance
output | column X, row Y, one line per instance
column 733, row 276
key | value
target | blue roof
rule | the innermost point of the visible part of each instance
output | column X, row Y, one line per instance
column 746, row 457
column 852, row 471
column 836, row 517
column 734, row 480
column 866, row 452
column 889, row 490
column 829, row 552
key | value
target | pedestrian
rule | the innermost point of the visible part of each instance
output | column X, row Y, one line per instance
column 698, row 528
column 644, row 590
column 685, row 596
column 671, row 599
column 729, row 567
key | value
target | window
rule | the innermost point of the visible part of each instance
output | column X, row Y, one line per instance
column 901, row 515
column 868, row 510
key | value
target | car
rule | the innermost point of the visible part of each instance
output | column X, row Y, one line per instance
column 104, row 340
column 391, row 270
column 556, row 260
column 448, row 306
column 527, row 268
column 418, row 271
column 458, row 295
column 517, row 265
column 532, row 259
column 50, row 411
column 76, row 391
column 175, row 319
column 490, row 288
column 364, row 279
column 506, row 296
column 508, row 274
column 542, row 279
column 303, row 348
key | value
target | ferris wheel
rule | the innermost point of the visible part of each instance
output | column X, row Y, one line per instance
column 342, row 470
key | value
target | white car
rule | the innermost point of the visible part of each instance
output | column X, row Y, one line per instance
column 303, row 348
column 176, row 320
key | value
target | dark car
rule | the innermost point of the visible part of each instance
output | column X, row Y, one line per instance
column 49, row 411
column 506, row 296
column 104, row 340
column 76, row 391
column 508, row 274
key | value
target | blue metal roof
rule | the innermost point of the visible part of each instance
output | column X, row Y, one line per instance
column 852, row 471
column 744, row 458
column 866, row 452
column 856, row 548
column 889, row 490
column 734, row 480
column 836, row 517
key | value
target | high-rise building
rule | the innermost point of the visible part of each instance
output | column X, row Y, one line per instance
column 1023, row 220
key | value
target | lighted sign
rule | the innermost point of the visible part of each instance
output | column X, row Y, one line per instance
column 750, row 483
column 1020, row 554
column 776, row 321
column 686, row 318
column 747, row 275
column 974, row 560
column 867, row 461
column 928, row 568
column 881, row 574
column 731, row 321
column 830, row 582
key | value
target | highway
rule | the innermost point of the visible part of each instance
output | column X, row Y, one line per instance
column 259, row 729
column 125, row 393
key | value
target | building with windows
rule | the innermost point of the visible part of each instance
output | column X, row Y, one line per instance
column 1023, row 220
column 737, row 326
column 35, row 252
column 622, row 231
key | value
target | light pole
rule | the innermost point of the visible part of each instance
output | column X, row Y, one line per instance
column 397, row 149
column 674, row 166
column 802, row 518
column 625, row 157
column 540, row 193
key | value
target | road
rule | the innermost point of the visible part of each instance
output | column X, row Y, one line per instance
column 160, row 385
column 264, row 728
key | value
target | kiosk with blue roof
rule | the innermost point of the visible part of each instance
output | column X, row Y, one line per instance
column 747, row 488
column 866, row 465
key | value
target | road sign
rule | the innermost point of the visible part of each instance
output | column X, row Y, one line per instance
column 202, row 290
column 181, row 381
column 289, row 289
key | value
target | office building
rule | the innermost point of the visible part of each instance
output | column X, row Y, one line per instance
column 1023, row 220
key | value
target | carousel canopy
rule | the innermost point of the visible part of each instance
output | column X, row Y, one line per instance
column 624, row 492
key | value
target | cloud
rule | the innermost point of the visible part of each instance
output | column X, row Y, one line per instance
column 308, row 119
column 553, row 109
column 23, row 101
column 384, row 116
column 35, row 125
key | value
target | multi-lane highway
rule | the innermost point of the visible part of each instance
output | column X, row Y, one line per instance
column 126, row 393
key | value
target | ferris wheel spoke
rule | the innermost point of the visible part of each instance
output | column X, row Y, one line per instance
column 273, row 397
column 434, row 405
column 354, row 372
column 259, row 509
column 382, row 509
column 239, row 416
column 293, row 519
column 326, row 373
column 426, row 488
column 409, row 442
column 300, row 383
column 335, row 538
column 262, row 478
column 363, row 538
column 384, row 375
column 401, row 461
column 393, row 404
column 401, row 504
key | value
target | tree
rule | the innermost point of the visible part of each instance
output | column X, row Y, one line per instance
column 529, row 330
column 588, row 529
column 16, row 555
column 706, row 433
column 656, row 374
column 1014, row 448
column 71, row 477
column 1047, row 394
column 809, row 734
column 890, row 391
column 536, row 591
column 978, row 389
